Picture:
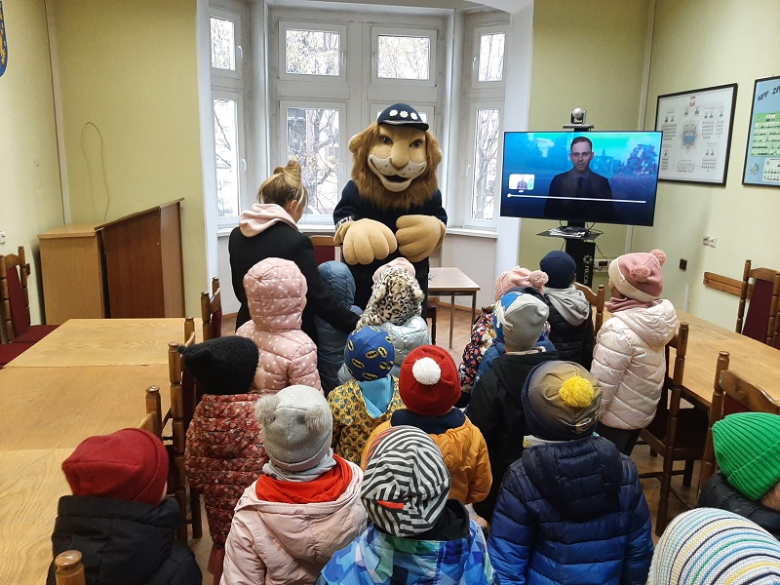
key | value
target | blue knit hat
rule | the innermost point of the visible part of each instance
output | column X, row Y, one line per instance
column 369, row 354
column 560, row 269
column 707, row 546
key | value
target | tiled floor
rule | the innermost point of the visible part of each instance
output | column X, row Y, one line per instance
column 641, row 455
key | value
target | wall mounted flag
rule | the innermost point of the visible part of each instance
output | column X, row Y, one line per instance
column 3, row 43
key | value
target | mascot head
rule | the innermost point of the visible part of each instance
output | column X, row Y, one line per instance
column 395, row 159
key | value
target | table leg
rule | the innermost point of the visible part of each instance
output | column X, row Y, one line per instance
column 473, row 307
column 452, row 317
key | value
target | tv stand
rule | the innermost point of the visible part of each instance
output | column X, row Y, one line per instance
column 580, row 245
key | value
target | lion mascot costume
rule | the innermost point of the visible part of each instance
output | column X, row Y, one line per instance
column 392, row 206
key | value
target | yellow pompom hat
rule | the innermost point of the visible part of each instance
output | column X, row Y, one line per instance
column 561, row 401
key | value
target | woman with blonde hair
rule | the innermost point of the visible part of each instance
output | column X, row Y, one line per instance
column 269, row 229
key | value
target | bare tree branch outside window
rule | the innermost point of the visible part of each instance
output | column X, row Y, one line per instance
column 226, row 150
column 223, row 44
column 485, row 164
column 312, row 52
column 491, row 57
column 402, row 57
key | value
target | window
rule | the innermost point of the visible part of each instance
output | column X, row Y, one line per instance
column 406, row 55
column 226, row 51
column 312, row 138
column 491, row 56
column 311, row 50
column 485, row 164
column 227, row 143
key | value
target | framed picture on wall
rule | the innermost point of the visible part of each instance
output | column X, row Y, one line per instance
column 762, row 156
column 696, row 128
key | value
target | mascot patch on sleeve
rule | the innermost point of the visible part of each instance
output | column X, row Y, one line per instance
column 392, row 206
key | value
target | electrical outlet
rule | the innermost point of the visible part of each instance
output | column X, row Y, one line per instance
column 683, row 264
column 2, row 238
column 713, row 241
column 705, row 241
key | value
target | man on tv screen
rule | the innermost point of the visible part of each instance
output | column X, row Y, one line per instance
column 572, row 193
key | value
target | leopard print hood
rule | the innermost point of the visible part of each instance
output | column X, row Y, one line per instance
column 395, row 298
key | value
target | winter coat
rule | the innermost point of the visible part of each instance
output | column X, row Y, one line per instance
column 276, row 294
column 482, row 336
column 123, row 542
column 352, row 205
column 571, row 324
column 496, row 409
column 275, row 542
column 224, row 454
column 572, row 513
column 351, row 422
column 331, row 341
column 265, row 231
column 629, row 362
column 498, row 349
column 462, row 445
column 719, row 493
column 378, row 558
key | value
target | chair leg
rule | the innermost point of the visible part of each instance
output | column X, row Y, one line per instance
column 688, row 473
column 197, row 520
column 663, row 496
column 653, row 453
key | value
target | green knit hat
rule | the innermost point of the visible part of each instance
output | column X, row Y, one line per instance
column 747, row 447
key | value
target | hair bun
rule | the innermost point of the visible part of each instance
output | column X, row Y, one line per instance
column 639, row 273
column 660, row 255
column 538, row 278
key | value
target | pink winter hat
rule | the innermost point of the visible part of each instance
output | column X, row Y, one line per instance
column 519, row 276
column 638, row 276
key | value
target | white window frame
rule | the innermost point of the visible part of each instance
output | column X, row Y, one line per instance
column 402, row 31
column 304, row 103
column 476, row 46
column 285, row 25
column 224, row 77
column 243, row 199
column 470, row 169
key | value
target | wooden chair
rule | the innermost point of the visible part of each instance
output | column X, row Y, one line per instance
column 14, row 301
column 596, row 300
column 325, row 249
column 762, row 312
column 183, row 401
column 732, row 393
column 430, row 313
column 69, row 569
column 211, row 311
column 152, row 422
column 676, row 434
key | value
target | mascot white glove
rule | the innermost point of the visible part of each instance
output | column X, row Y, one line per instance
column 366, row 240
column 418, row 236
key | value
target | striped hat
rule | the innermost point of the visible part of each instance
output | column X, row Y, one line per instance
column 708, row 547
column 406, row 483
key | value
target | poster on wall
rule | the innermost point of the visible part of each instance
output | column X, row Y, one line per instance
column 762, row 157
column 3, row 43
column 696, row 128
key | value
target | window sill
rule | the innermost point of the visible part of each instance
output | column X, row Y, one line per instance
column 472, row 232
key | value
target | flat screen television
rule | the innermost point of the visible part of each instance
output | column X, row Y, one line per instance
column 560, row 175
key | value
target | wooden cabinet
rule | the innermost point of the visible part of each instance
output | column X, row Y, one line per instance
column 127, row 268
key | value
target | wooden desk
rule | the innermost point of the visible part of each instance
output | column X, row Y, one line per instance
column 751, row 359
column 452, row 282
column 105, row 342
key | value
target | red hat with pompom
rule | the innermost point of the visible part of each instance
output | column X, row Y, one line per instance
column 638, row 276
column 429, row 384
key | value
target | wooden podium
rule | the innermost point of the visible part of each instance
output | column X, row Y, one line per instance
column 127, row 268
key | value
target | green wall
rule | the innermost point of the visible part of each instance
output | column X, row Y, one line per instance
column 30, row 195
column 129, row 95
column 698, row 45
column 592, row 56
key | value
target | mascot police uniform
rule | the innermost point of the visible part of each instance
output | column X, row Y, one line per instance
column 392, row 206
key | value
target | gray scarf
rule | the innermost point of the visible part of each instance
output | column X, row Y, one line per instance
column 327, row 463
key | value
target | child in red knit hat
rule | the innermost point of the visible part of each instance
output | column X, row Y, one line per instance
column 628, row 358
column 118, row 516
column 429, row 386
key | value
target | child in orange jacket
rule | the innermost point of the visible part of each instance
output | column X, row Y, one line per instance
column 429, row 386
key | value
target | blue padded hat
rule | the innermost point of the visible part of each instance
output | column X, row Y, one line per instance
column 369, row 354
column 401, row 115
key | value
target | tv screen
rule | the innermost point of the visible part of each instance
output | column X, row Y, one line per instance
column 604, row 177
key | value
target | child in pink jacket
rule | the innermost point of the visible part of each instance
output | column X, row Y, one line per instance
column 305, row 505
column 276, row 295
column 224, row 451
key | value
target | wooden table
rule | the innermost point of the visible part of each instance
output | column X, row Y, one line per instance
column 751, row 359
column 86, row 378
column 452, row 282
column 105, row 342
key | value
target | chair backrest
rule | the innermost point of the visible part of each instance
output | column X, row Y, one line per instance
column 69, row 569
column 762, row 312
column 211, row 311
column 596, row 299
column 325, row 249
column 152, row 422
column 183, row 401
column 14, row 301
column 732, row 394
